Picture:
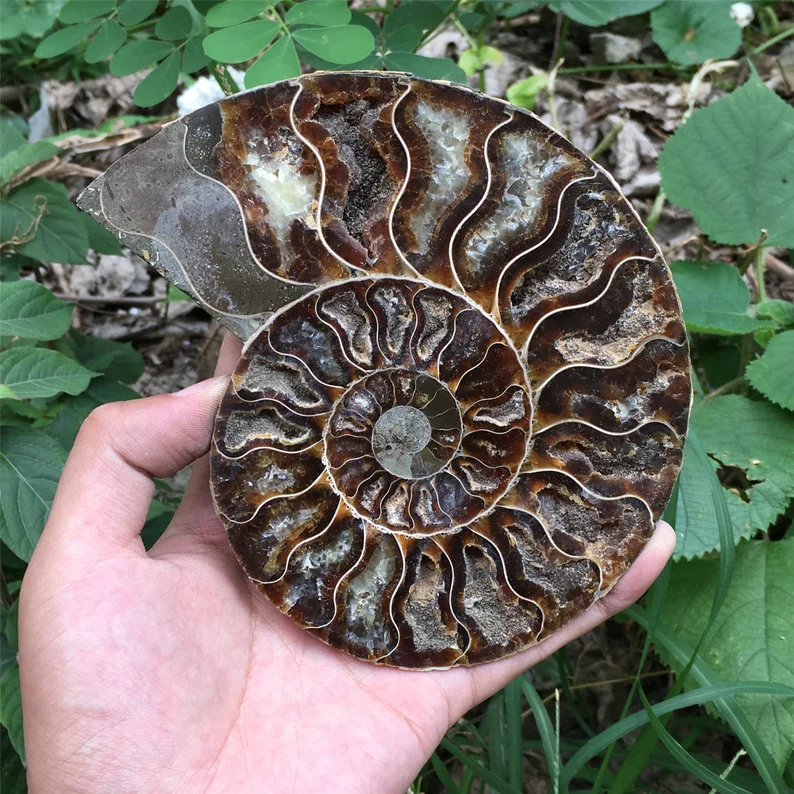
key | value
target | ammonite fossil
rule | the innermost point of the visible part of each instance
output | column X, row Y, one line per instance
column 465, row 386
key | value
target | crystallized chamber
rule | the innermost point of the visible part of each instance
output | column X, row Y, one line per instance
column 465, row 386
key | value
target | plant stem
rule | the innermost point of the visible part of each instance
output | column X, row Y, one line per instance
column 551, row 97
column 760, row 261
column 726, row 387
column 730, row 767
column 560, row 37
column 656, row 210
column 465, row 33
column 618, row 67
column 784, row 34
column 608, row 140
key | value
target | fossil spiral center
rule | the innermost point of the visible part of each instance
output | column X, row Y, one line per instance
column 400, row 435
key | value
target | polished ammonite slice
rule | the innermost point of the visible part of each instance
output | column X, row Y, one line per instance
column 457, row 429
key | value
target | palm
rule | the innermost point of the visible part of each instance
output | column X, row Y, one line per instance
column 183, row 654
column 167, row 671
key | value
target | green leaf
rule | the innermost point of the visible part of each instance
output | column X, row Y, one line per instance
column 41, row 210
column 241, row 42
column 357, row 18
column 773, row 373
column 472, row 60
column 11, row 263
column 418, row 14
column 752, row 638
column 158, row 84
column 131, row 12
column 30, row 463
column 175, row 24
column 18, row 407
column 13, row 779
column 13, row 133
column 8, row 657
column 372, row 61
column 139, row 55
column 782, row 312
column 107, row 40
column 21, row 157
column 233, row 12
column 519, row 7
column 38, row 372
column 524, row 93
column 193, row 57
column 11, row 708
column 11, row 624
column 598, row 12
column 119, row 360
column 81, row 10
column 405, row 39
column 328, row 13
column 753, row 436
column 100, row 391
column 175, row 294
column 279, row 62
column 715, row 298
column 18, row 17
column 422, row 66
column 66, row 39
column 157, row 521
column 757, row 438
column 732, row 166
column 344, row 44
column 28, row 309
column 99, row 238
column 691, row 32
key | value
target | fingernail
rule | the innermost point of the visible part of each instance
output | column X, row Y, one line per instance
column 203, row 385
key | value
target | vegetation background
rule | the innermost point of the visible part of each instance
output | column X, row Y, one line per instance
column 686, row 101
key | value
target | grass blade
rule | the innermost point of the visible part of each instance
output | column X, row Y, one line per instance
column 693, row 766
column 704, row 694
column 515, row 758
column 741, row 726
column 495, row 721
column 643, row 748
column 548, row 736
column 485, row 774
column 442, row 773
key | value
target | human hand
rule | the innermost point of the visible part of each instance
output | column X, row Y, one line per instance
column 166, row 671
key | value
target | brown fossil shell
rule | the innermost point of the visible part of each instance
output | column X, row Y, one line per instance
column 456, row 431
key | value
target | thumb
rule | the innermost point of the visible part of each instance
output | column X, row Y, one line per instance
column 106, row 487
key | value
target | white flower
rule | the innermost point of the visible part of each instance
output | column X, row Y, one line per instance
column 204, row 92
column 742, row 14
